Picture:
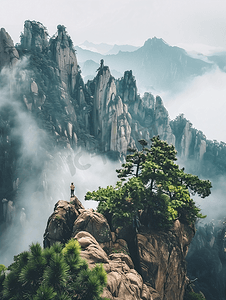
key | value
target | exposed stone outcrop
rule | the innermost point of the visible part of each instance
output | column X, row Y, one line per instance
column 8, row 53
column 60, row 224
column 123, row 281
column 121, row 117
column 189, row 142
column 34, row 37
column 207, row 260
column 62, row 51
column 111, row 119
column 160, row 255
column 162, row 259
column 94, row 223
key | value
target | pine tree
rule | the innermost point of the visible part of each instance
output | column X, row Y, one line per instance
column 55, row 273
column 151, row 182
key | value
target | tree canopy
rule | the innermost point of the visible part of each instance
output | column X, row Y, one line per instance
column 56, row 273
column 152, row 183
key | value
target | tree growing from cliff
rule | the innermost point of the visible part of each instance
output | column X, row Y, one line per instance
column 53, row 273
column 151, row 182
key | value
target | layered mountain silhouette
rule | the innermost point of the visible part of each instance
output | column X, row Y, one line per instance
column 156, row 65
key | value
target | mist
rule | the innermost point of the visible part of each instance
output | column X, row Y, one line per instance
column 52, row 170
column 203, row 103
column 43, row 174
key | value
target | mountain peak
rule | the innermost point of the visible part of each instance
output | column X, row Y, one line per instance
column 35, row 36
column 155, row 42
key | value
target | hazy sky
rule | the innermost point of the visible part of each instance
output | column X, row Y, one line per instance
column 178, row 22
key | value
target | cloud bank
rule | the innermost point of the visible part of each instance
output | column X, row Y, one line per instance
column 203, row 102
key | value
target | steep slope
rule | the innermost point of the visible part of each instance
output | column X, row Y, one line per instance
column 46, row 107
column 207, row 260
column 161, row 255
column 8, row 54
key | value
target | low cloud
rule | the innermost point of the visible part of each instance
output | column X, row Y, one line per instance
column 203, row 102
column 43, row 175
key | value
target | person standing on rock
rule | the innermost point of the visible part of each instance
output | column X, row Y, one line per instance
column 72, row 190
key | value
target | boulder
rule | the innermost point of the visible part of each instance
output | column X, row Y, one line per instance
column 147, row 265
column 60, row 223
column 94, row 223
column 123, row 282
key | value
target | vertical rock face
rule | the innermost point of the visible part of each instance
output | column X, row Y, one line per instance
column 62, row 51
column 162, row 259
column 121, row 117
column 149, row 116
column 161, row 255
column 108, row 110
column 110, row 115
column 35, row 36
column 8, row 54
column 207, row 260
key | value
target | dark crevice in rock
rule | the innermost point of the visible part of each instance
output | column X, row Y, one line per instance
column 129, row 235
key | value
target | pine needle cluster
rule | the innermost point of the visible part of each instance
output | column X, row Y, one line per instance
column 55, row 273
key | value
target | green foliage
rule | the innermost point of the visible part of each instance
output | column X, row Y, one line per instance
column 151, row 181
column 2, row 268
column 193, row 296
column 52, row 273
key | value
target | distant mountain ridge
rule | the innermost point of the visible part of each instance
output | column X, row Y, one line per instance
column 105, row 49
column 156, row 65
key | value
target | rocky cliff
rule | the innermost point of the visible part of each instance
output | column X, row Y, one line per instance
column 106, row 114
column 8, row 53
column 45, row 107
column 148, row 265
column 207, row 260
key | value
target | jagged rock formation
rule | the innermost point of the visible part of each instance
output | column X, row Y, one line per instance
column 162, row 259
column 8, row 53
column 34, row 37
column 156, row 271
column 207, row 260
column 63, row 54
column 103, row 116
column 121, row 117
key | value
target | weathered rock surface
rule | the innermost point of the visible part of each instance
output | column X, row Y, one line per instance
column 207, row 260
column 123, row 281
column 8, row 53
column 162, row 259
column 34, row 37
column 161, row 255
column 63, row 53
column 121, row 117
column 94, row 223
column 105, row 114
column 60, row 224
